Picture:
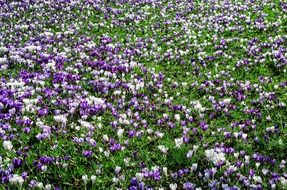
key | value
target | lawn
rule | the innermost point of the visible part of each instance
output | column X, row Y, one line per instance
column 143, row 94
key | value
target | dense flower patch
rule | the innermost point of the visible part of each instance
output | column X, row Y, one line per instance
column 143, row 94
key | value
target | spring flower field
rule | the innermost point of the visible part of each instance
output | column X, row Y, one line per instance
column 143, row 94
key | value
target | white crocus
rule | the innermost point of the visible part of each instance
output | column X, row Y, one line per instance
column 85, row 179
column 227, row 100
column 194, row 167
column 16, row 180
column 44, row 168
column 61, row 119
column 189, row 154
column 162, row 148
column 283, row 181
column 117, row 169
column 93, row 179
column 178, row 142
column 3, row 60
column 7, row 145
column 164, row 170
column 48, row 187
column 40, row 185
column 139, row 176
column 106, row 138
column 173, row 186
column 177, row 117
column 257, row 179
column 213, row 156
column 120, row 132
